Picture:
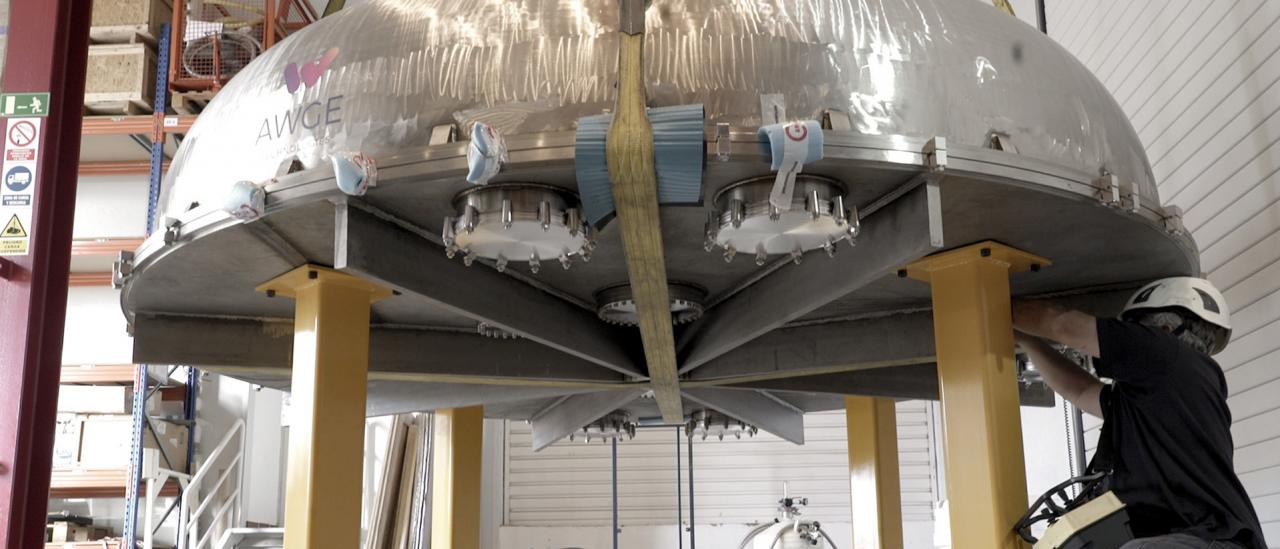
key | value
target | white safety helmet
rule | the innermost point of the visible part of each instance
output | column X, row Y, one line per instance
column 1194, row 295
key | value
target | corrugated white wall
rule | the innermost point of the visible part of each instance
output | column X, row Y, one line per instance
column 1200, row 80
column 737, row 481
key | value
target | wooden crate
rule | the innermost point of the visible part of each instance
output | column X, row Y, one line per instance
column 128, row 21
column 62, row 531
column 191, row 102
column 121, row 79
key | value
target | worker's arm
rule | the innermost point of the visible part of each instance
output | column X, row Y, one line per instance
column 1066, row 326
column 1063, row 376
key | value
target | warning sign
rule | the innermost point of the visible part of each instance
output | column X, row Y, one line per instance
column 14, row 228
column 22, row 133
column 18, row 177
column 14, row 239
column 28, row 155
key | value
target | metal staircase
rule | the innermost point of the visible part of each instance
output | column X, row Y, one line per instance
column 210, row 509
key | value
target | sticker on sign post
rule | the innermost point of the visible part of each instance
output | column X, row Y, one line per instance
column 24, row 104
column 18, row 177
column 14, row 238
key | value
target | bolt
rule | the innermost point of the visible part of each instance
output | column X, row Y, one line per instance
column 544, row 215
column 447, row 234
column 313, row 275
column 985, row 252
column 575, row 222
column 469, row 215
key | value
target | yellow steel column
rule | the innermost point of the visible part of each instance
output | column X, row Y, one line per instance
column 457, row 440
column 873, row 472
column 330, row 371
column 977, row 380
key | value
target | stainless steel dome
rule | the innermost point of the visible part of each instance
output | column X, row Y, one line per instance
column 918, row 68
column 947, row 122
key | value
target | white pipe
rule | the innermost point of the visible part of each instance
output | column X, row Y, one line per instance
column 149, row 510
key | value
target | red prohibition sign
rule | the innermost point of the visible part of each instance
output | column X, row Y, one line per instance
column 801, row 131
column 22, row 134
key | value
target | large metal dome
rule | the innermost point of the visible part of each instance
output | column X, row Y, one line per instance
column 927, row 68
column 945, row 122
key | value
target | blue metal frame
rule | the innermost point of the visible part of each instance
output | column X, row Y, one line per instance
column 140, row 381
column 135, row 453
column 157, row 138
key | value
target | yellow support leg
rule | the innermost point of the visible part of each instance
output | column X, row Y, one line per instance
column 977, row 379
column 873, row 472
column 457, row 440
column 330, row 370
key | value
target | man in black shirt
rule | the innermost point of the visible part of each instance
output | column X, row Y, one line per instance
column 1167, row 429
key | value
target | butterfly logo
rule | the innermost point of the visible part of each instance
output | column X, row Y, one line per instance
column 309, row 73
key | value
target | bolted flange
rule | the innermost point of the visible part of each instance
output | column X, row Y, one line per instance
column 744, row 219
column 614, row 304
column 506, row 221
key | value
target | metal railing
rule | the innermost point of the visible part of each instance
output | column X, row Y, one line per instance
column 202, row 512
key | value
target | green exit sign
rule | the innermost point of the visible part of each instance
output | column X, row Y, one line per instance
column 24, row 104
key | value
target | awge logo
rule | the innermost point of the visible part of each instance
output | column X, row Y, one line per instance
column 322, row 112
column 309, row 73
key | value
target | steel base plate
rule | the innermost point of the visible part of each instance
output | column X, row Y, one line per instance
column 209, row 270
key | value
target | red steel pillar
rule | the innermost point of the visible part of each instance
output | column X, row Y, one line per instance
column 46, row 51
